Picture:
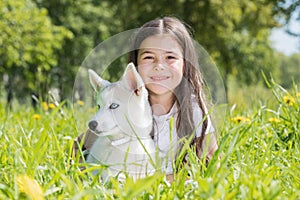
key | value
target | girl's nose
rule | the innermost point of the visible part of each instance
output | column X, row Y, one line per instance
column 158, row 66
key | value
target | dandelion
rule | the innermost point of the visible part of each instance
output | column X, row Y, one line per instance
column 240, row 119
column 51, row 105
column 298, row 94
column 80, row 103
column 274, row 120
column 11, row 130
column 45, row 105
column 30, row 187
column 289, row 100
column 36, row 116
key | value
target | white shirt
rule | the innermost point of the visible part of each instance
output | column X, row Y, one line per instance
column 167, row 142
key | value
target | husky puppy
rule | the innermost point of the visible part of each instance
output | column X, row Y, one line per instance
column 123, row 124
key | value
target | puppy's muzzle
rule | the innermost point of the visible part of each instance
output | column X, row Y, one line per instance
column 93, row 125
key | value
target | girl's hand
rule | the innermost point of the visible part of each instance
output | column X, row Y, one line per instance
column 170, row 178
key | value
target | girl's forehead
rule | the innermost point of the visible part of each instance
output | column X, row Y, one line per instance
column 161, row 42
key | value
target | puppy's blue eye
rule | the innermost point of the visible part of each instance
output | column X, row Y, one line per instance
column 113, row 106
column 98, row 107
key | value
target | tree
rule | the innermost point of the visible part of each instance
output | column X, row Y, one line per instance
column 90, row 22
column 29, row 42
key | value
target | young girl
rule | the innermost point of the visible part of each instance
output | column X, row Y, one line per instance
column 166, row 59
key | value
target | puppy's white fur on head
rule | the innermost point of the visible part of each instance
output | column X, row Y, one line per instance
column 123, row 123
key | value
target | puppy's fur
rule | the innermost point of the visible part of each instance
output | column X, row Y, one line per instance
column 123, row 124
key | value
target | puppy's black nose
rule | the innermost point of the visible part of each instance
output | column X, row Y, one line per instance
column 93, row 125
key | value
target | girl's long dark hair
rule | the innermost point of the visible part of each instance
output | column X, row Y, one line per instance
column 192, row 82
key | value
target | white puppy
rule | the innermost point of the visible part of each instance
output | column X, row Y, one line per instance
column 123, row 124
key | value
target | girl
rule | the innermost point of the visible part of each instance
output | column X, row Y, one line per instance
column 166, row 59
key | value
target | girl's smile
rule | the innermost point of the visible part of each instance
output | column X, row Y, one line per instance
column 159, row 78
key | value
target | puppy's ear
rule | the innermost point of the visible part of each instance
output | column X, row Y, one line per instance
column 96, row 81
column 132, row 80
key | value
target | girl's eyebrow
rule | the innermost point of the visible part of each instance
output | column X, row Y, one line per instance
column 143, row 51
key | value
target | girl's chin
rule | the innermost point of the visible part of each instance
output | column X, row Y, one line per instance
column 158, row 89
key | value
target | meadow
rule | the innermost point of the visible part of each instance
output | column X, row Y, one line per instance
column 258, row 157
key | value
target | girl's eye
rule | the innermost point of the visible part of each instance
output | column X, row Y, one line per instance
column 148, row 58
column 113, row 106
column 171, row 57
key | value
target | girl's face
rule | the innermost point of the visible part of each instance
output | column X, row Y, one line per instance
column 160, row 64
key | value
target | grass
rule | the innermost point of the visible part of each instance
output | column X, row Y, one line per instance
column 259, row 158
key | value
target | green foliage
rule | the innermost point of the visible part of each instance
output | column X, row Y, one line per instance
column 258, row 158
column 29, row 42
column 235, row 33
column 90, row 22
column 46, row 45
column 289, row 70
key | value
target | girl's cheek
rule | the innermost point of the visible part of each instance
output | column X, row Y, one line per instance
column 143, row 69
column 144, row 75
column 142, row 62
column 176, row 66
column 145, row 65
column 146, row 62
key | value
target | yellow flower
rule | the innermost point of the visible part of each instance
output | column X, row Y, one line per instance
column 274, row 120
column 51, row 105
column 80, row 103
column 45, row 105
column 30, row 187
column 36, row 117
column 11, row 130
column 298, row 94
column 289, row 100
column 240, row 119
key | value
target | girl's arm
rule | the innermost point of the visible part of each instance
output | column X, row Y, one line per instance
column 208, row 146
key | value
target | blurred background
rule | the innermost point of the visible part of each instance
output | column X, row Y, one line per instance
column 43, row 43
